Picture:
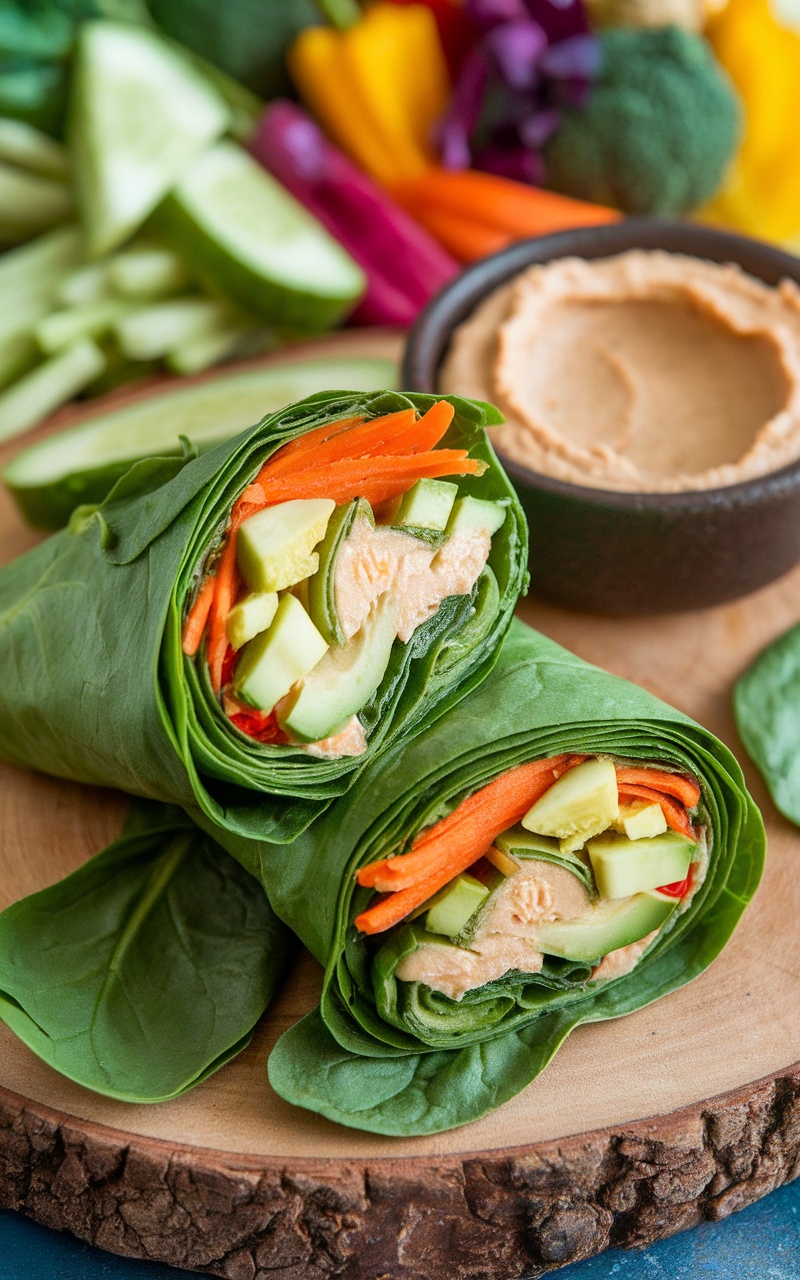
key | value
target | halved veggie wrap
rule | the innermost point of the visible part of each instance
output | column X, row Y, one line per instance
column 147, row 969
column 240, row 633
column 561, row 848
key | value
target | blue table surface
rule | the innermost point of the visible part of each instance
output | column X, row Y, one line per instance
column 760, row 1243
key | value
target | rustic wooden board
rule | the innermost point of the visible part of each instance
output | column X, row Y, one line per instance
column 641, row 1127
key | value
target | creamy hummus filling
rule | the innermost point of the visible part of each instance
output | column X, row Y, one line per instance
column 648, row 371
column 539, row 891
column 375, row 561
column 419, row 577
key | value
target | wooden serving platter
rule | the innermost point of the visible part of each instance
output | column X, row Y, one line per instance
column 686, row 1110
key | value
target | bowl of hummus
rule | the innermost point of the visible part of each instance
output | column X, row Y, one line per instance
column 648, row 375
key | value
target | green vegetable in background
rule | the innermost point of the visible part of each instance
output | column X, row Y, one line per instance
column 658, row 131
column 246, row 38
column 766, row 703
column 51, row 478
column 36, row 40
column 398, row 1058
column 97, row 687
column 146, row 969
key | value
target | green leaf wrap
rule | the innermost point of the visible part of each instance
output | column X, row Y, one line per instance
column 97, row 687
column 146, row 969
column 397, row 1058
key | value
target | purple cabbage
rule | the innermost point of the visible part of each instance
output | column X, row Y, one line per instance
column 531, row 58
column 404, row 265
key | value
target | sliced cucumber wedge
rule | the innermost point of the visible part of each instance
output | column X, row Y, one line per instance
column 140, row 113
column 51, row 478
column 242, row 233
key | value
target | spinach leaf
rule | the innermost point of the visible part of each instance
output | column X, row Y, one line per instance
column 146, row 969
column 766, row 703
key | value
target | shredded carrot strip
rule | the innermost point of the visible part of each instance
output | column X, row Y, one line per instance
column 376, row 479
column 304, row 445
column 362, row 439
column 427, row 431
column 198, row 617
column 673, row 784
column 452, row 845
column 676, row 816
column 224, row 595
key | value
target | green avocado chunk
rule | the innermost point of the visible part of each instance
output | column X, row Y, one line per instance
column 322, row 586
column 455, row 906
column 580, row 804
column 276, row 659
column 345, row 679
column 608, row 926
column 622, row 866
column 274, row 548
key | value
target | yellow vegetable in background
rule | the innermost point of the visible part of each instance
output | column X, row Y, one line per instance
column 378, row 87
column 761, row 53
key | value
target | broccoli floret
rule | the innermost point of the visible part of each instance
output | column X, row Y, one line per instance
column 658, row 131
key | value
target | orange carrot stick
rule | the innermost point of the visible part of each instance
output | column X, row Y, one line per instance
column 362, row 439
column 674, row 784
column 198, row 617
column 676, row 816
column 452, row 845
column 427, row 431
column 515, row 208
column 224, row 596
column 376, row 479
column 310, row 440
column 466, row 237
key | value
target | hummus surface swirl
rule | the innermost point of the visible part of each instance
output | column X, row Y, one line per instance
column 648, row 371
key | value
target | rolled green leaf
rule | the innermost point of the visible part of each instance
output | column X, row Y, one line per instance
column 396, row 1056
column 148, row 968
column 98, row 688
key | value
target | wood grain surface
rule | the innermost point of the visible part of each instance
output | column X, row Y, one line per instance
column 687, row 1109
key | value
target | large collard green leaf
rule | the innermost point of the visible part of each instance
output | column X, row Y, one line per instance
column 98, row 687
column 146, row 969
column 398, row 1058
column 766, row 702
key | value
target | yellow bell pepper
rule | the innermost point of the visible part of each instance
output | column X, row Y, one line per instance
column 762, row 56
column 378, row 87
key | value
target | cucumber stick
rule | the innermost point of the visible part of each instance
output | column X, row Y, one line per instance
column 49, row 479
column 22, row 145
column 243, row 234
column 139, row 114
column 153, row 331
column 30, row 201
column 48, row 386
column 60, row 329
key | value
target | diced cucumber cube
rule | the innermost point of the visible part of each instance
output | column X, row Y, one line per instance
column 427, row 505
column 471, row 515
column 453, row 909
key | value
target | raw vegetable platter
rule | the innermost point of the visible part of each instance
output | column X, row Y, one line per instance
column 683, row 1110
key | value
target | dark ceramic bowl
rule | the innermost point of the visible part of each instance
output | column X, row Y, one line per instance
column 626, row 553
